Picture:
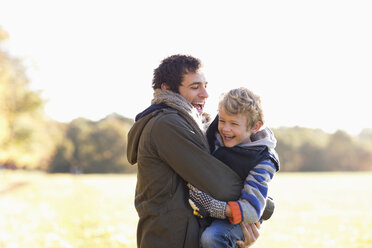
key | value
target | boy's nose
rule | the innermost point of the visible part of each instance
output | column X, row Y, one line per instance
column 226, row 128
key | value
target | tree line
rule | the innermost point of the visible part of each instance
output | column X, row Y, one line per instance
column 93, row 147
column 32, row 141
column 305, row 149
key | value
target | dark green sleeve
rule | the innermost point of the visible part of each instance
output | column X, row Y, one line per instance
column 183, row 150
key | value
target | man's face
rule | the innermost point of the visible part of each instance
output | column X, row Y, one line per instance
column 233, row 128
column 194, row 89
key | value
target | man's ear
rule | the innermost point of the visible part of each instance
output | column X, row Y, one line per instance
column 164, row 86
column 257, row 127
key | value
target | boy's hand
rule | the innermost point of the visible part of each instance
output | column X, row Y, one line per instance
column 198, row 209
column 206, row 205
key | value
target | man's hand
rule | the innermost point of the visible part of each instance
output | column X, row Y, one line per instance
column 251, row 234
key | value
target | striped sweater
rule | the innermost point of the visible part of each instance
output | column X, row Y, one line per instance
column 250, row 206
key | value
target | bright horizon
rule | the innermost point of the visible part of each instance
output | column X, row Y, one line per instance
column 311, row 62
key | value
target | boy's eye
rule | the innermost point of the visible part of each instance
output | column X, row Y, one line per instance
column 222, row 121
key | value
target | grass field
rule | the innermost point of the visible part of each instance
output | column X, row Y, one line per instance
column 312, row 210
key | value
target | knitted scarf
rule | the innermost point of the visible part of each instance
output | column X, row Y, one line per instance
column 185, row 109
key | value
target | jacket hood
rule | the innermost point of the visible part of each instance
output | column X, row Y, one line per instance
column 265, row 137
column 135, row 132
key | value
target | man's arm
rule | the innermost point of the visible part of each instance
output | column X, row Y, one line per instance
column 184, row 151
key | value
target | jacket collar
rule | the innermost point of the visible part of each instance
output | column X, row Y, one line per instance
column 150, row 109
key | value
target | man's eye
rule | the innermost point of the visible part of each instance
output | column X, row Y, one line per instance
column 195, row 87
column 222, row 121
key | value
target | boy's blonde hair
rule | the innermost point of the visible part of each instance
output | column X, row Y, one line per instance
column 242, row 101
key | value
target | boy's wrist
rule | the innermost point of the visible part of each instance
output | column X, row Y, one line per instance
column 228, row 211
column 236, row 214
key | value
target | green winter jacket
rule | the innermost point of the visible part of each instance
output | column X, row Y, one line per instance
column 170, row 150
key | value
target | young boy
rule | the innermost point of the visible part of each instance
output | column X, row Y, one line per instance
column 236, row 137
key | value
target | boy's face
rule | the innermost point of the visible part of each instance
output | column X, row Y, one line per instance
column 194, row 89
column 233, row 129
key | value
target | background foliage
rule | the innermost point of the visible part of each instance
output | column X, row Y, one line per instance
column 93, row 147
column 304, row 149
column 30, row 140
column 26, row 138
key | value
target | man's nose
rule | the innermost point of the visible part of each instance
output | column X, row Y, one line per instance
column 203, row 92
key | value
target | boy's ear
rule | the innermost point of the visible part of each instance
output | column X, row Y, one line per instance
column 257, row 127
column 164, row 86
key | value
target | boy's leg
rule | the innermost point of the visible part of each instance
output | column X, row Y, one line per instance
column 221, row 233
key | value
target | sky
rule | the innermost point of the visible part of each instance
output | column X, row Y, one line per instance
column 310, row 61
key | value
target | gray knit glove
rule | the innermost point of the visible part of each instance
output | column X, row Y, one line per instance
column 204, row 205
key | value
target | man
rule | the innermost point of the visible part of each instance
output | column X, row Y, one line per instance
column 170, row 149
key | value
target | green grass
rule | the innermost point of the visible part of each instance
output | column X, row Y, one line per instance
column 312, row 210
column 67, row 211
column 320, row 210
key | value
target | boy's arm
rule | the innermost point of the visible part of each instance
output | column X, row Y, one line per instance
column 252, row 202
column 249, row 207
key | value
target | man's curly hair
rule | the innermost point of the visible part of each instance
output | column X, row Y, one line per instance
column 172, row 69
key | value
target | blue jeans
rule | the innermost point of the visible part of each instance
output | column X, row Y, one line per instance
column 221, row 233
